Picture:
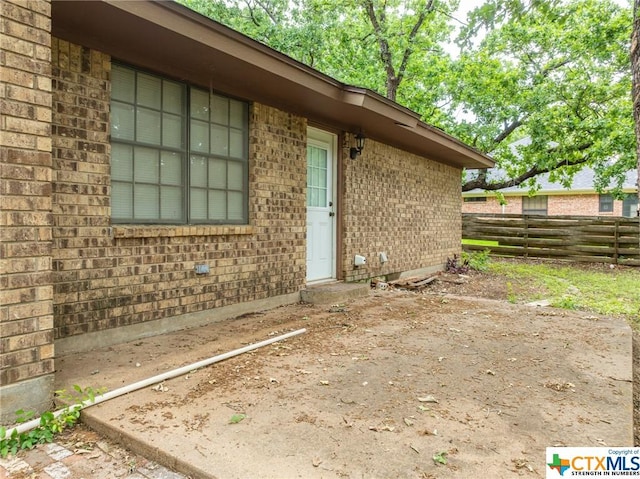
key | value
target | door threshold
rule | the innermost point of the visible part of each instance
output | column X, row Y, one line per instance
column 317, row 282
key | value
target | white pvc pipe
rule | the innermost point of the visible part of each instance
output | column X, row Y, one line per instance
column 26, row 426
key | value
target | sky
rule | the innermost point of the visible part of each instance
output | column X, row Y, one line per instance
column 465, row 6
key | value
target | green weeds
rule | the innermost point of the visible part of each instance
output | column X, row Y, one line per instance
column 478, row 260
column 50, row 423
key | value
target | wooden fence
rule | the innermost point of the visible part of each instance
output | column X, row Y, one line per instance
column 577, row 238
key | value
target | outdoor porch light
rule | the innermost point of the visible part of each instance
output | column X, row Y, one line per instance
column 357, row 150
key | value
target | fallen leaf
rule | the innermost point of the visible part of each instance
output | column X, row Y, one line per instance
column 522, row 464
column 236, row 418
column 440, row 458
column 160, row 388
column 104, row 446
column 428, row 398
column 82, row 451
column 558, row 386
column 381, row 428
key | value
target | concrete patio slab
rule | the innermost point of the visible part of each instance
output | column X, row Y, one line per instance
column 374, row 389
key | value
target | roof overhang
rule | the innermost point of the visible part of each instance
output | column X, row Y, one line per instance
column 168, row 38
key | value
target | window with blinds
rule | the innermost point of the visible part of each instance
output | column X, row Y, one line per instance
column 630, row 205
column 179, row 154
column 534, row 205
column 605, row 203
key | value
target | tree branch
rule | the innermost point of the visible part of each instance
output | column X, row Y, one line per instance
column 481, row 182
column 412, row 36
column 252, row 14
column 510, row 128
column 385, row 51
column 269, row 13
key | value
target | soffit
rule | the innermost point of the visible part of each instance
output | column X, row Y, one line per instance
column 168, row 38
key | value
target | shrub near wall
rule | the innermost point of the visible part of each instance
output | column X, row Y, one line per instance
column 108, row 276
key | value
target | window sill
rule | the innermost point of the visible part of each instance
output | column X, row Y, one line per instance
column 144, row 231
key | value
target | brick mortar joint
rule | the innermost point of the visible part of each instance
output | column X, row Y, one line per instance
column 140, row 231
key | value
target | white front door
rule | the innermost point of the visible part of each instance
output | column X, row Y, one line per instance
column 321, row 222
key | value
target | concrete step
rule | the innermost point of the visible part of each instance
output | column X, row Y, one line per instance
column 334, row 292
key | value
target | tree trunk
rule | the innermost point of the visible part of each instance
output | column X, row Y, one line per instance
column 392, row 87
column 635, row 89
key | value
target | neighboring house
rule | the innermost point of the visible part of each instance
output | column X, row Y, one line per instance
column 554, row 199
column 161, row 171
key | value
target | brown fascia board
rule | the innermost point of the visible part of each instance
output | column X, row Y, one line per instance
column 169, row 38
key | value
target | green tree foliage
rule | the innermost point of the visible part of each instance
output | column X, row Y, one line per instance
column 554, row 71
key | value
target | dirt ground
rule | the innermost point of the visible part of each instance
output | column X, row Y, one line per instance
column 435, row 383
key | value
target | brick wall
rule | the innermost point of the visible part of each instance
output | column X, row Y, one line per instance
column 107, row 277
column 492, row 205
column 278, row 200
column 26, row 320
column 588, row 205
column 583, row 204
column 81, row 211
column 400, row 204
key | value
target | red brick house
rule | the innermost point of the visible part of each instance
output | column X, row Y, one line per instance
column 161, row 171
column 554, row 199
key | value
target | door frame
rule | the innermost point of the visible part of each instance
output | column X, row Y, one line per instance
column 326, row 138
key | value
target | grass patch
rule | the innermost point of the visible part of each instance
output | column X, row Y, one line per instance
column 480, row 242
column 585, row 287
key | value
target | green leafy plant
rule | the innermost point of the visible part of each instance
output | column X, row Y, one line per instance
column 50, row 423
column 478, row 260
column 440, row 458
column 566, row 302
